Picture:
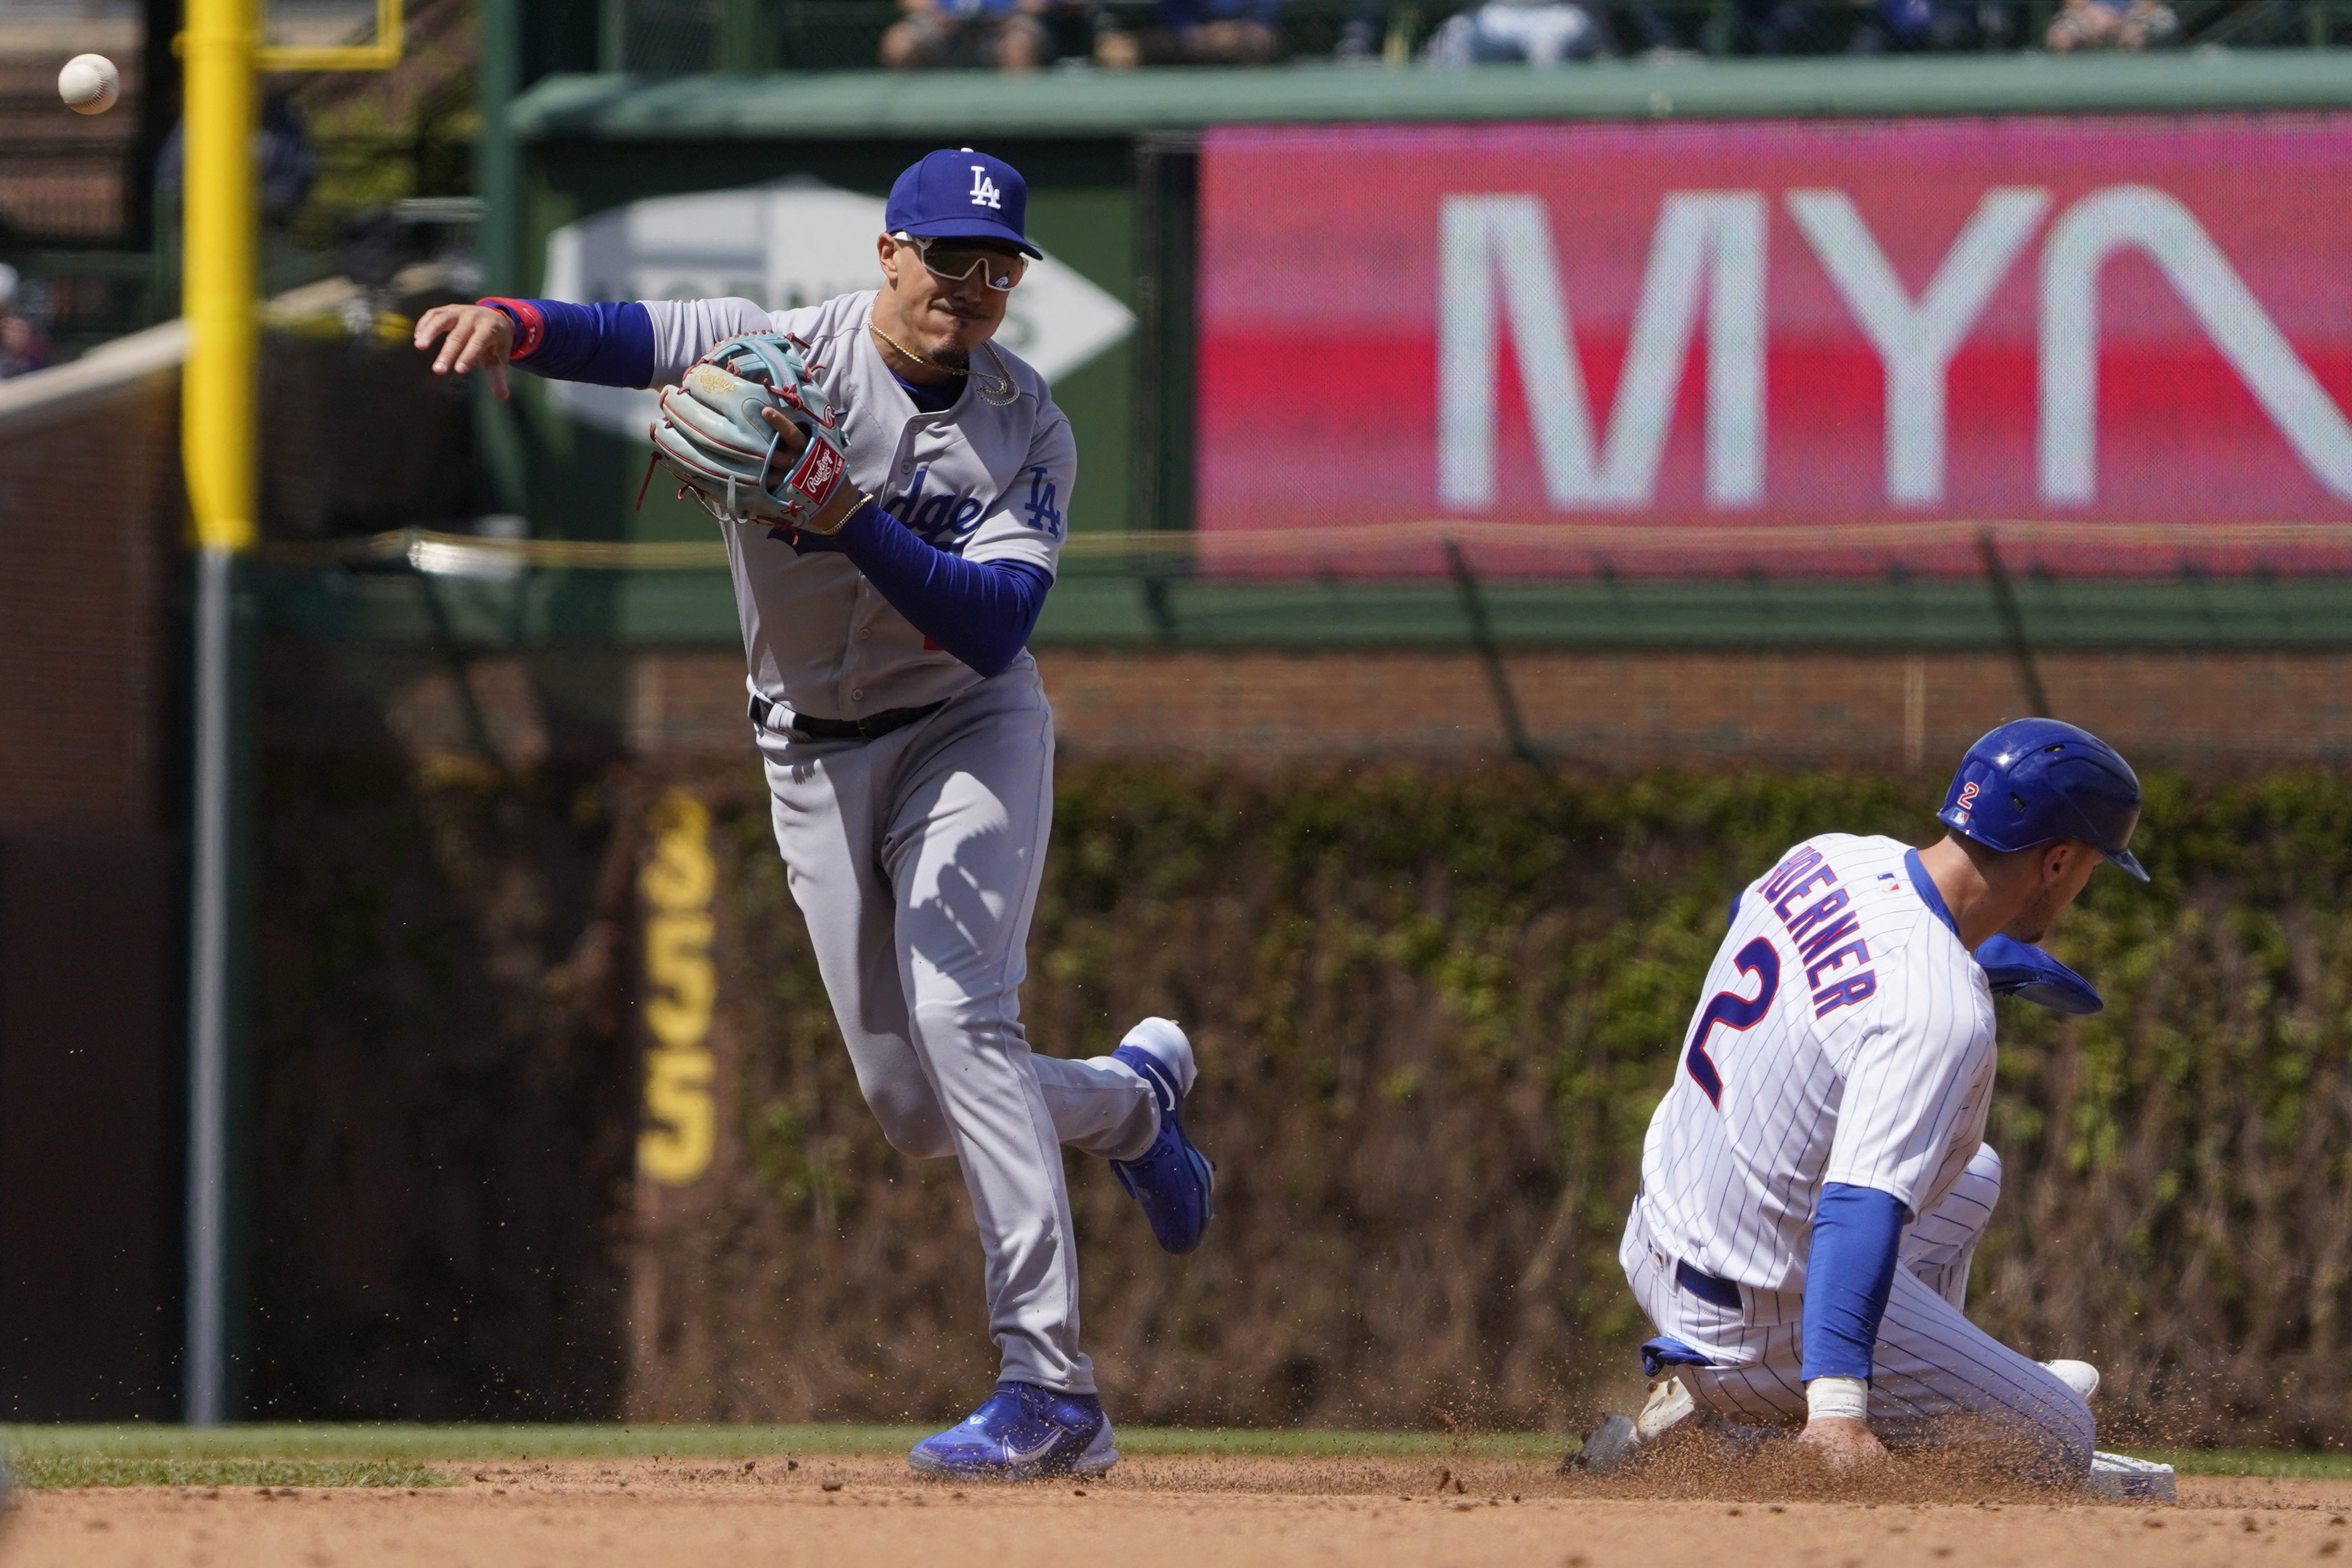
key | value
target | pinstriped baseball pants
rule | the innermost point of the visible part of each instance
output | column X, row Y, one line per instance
column 915, row 858
column 1936, row 1377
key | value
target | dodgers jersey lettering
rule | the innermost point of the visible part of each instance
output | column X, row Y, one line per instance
column 977, row 480
column 1844, row 1035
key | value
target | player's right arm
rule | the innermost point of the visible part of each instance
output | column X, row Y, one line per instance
column 625, row 343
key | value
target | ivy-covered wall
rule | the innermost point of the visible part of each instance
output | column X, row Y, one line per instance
column 1433, row 1011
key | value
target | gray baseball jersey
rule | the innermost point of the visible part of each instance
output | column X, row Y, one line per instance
column 984, row 481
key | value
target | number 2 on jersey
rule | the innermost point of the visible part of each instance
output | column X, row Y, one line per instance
column 1758, row 958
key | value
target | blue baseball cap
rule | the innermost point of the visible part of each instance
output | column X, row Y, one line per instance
column 958, row 193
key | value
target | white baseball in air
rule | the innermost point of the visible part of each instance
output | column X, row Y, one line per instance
column 89, row 84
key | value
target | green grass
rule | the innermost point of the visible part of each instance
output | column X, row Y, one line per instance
column 141, row 1454
column 393, row 1455
column 68, row 1469
column 2252, row 1462
column 402, row 1443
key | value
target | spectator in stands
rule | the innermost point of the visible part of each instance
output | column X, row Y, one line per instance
column 1198, row 33
column 1898, row 25
column 22, row 347
column 1539, row 32
column 2112, row 25
column 1360, row 40
column 1002, row 34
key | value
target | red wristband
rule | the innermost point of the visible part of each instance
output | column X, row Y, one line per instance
column 530, row 327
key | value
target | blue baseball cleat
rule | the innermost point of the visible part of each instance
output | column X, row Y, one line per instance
column 1023, row 1433
column 1173, row 1181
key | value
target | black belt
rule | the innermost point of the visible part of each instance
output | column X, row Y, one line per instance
column 1710, row 1288
column 872, row 726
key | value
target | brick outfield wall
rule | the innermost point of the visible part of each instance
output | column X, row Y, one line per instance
column 760, row 1292
column 1614, row 711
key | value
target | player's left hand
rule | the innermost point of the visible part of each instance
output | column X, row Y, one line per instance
column 845, row 498
column 2015, row 969
column 1843, row 1443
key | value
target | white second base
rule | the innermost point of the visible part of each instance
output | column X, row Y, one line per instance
column 2126, row 1480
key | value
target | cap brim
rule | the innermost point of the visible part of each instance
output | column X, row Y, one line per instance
column 974, row 227
column 2123, row 859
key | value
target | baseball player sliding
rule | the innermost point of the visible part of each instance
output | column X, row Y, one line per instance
column 1814, row 1184
column 906, row 737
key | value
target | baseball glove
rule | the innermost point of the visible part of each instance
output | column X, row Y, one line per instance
column 711, row 436
column 2017, row 969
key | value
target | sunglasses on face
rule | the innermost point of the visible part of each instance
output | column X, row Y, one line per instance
column 955, row 259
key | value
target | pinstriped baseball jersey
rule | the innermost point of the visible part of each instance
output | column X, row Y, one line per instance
column 1844, row 1035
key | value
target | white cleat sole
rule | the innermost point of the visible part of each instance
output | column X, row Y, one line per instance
column 2079, row 1376
column 1670, row 1404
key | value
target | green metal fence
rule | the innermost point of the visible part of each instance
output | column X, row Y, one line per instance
column 1155, row 591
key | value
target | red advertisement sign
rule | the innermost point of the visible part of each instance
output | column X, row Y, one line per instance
column 2132, row 324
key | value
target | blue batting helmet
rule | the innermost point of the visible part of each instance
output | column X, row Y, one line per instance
column 2035, row 780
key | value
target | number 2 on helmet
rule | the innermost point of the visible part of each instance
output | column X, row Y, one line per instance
column 1761, row 959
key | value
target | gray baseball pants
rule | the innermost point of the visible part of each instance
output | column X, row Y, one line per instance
column 915, row 858
column 1934, row 1377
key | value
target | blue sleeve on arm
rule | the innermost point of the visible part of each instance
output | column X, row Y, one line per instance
column 611, row 344
column 1856, row 1232
column 981, row 612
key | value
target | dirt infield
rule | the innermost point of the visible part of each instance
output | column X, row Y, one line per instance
column 1181, row 1513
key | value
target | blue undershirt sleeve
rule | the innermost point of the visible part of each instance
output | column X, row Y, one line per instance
column 981, row 612
column 1857, row 1232
column 610, row 344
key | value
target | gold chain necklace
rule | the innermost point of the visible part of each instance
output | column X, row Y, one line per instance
column 996, row 390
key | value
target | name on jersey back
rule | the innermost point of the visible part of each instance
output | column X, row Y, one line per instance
column 1827, row 931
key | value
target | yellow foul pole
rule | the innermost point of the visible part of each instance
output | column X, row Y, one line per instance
column 221, row 299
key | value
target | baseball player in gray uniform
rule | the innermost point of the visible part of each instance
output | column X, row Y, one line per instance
column 909, row 751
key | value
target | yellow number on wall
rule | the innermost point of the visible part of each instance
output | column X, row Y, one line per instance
column 681, row 987
column 675, row 1149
